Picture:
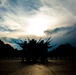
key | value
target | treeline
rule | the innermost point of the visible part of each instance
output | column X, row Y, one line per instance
column 63, row 51
column 37, row 50
column 8, row 52
column 32, row 50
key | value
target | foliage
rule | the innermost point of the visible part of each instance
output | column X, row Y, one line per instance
column 35, row 50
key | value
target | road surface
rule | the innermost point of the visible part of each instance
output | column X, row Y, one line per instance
column 35, row 69
column 54, row 67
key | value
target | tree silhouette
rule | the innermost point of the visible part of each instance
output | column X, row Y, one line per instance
column 7, row 51
column 35, row 50
column 22, row 44
column 1, row 48
column 63, row 50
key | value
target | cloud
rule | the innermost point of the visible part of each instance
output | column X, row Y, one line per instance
column 72, row 31
column 6, row 29
column 63, row 35
column 16, row 13
column 70, row 5
column 2, row 2
column 11, row 41
column 65, row 30
column 54, row 17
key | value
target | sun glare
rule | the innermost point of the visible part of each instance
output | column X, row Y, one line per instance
column 37, row 25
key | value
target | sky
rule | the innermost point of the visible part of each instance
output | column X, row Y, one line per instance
column 20, row 19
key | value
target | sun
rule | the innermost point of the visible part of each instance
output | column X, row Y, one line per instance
column 38, row 24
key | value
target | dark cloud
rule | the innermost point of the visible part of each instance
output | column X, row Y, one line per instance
column 68, row 30
column 68, row 35
column 27, row 5
column 10, row 40
column 56, row 30
column 72, row 31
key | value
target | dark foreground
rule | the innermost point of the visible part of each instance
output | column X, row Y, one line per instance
column 54, row 67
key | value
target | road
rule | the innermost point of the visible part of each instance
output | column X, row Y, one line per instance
column 63, row 67
column 54, row 67
column 35, row 69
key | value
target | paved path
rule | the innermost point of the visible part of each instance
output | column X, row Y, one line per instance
column 63, row 67
column 35, row 69
column 54, row 67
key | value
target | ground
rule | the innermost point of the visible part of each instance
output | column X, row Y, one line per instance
column 53, row 67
